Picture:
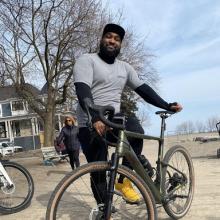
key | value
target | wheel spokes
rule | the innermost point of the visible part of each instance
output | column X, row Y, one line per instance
column 178, row 184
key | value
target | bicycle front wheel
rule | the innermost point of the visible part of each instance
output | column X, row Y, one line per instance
column 178, row 181
column 16, row 197
column 73, row 197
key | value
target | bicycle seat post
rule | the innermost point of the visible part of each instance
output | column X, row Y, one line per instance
column 163, row 125
column 163, row 116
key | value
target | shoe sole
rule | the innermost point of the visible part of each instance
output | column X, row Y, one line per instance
column 127, row 200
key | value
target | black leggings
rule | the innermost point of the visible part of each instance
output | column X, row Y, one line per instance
column 95, row 149
column 74, row 158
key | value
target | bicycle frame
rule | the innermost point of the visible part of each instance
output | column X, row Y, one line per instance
column 123, row 149
column 4, row 173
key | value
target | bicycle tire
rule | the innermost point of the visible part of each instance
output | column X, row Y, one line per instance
column 78, row 174
column 170, row 181
column 14, row 194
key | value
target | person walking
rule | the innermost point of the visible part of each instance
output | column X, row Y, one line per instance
column 69, row 137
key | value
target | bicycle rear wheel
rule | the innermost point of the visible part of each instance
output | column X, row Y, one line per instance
column 18, row 196
column 73, row 197
column 178, row 181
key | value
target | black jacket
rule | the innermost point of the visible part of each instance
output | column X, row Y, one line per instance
column 69, row 136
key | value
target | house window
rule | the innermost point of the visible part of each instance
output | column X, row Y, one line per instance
column 26, row 127
column 6, row 110
column 22, row 128
column 17, row 106
column 2, row 130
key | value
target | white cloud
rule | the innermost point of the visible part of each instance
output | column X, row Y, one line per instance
column 171, row 23
column 186, row 57
column 149, row 18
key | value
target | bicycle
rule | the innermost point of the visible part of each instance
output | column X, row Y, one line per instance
column 172, row 186
column 16, row 187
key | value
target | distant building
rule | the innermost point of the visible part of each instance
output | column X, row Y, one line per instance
column 19, row 124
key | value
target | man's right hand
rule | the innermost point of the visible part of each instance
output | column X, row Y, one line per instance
column 100, row 127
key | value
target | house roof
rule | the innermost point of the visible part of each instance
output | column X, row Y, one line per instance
column 44, row 89
column 8, row 92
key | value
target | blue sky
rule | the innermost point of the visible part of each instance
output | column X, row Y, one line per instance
column 185, row 37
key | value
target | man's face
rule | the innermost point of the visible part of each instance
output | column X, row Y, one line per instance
column 111, row 44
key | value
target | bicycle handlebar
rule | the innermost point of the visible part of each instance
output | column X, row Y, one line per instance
column 102, row 111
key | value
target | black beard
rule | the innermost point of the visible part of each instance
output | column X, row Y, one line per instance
column 106, row 55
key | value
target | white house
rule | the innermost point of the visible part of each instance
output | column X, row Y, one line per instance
column 18, row 123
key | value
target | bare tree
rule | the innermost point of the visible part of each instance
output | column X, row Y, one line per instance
column 144, row 117
column 43, row 37
column 191, row 127
column 211, row 123
column 181, row 128
column 4, row 78
column 40, row 40
column 185, row 128
column 200, row 127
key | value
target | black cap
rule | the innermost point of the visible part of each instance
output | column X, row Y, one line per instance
column 115, row 29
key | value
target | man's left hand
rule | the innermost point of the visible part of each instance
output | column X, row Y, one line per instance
column 176, row 107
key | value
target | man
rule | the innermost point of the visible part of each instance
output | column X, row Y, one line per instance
column 101, row 77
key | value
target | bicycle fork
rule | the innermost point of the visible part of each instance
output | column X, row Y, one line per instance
column 108, row 204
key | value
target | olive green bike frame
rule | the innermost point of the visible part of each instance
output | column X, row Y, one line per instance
column 123, row 149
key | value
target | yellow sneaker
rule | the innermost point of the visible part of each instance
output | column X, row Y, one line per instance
column 127, row 191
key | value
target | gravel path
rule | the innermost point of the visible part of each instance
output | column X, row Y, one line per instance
column 206, row 203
